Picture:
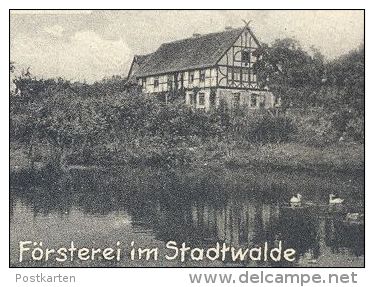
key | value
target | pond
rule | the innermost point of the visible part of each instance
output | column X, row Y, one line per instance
column 197, row 206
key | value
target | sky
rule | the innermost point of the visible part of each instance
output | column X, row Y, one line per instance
column 91, row 45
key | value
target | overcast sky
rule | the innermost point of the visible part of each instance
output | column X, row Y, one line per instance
column 89, row 45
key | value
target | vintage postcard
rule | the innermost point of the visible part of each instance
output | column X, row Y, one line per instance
column 187, row 138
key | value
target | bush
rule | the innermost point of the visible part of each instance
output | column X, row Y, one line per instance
column 317, row 127
column 274, row 129
column 265, row 128
column 313, row 128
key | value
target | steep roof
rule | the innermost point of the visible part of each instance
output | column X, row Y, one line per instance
column 142, row 58
column 139, row 61
column 191, row 53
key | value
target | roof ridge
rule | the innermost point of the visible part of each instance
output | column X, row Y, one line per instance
column 202, row 35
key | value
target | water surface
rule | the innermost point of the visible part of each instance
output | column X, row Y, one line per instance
column 199, row 206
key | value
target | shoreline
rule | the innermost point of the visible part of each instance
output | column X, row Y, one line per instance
column 275, row 157
column 345, row 159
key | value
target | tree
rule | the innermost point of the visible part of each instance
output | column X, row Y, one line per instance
column 290, row 72
column 50, row 111
column 346, row 99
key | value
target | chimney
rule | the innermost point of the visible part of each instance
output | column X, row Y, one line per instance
column 228, row 28
column 195, row 35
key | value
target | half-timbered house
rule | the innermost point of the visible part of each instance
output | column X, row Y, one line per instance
column 209, row 69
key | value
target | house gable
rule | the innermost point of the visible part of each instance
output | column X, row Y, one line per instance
column 236, row 65
column 136, row 63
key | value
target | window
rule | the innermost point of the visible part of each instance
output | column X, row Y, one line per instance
column 156, row 82
column 278, row 102
column 202, row 76
column 192, row 100
column 170, row 82
column 143, row 82
column 237, row 74
column 253, row 77
column 254, row 56
column 261, row 100
column 245, row 77
column 190, row 77
column 201, row 99
column 236, row 100
column 253, row 101
column 246, row 55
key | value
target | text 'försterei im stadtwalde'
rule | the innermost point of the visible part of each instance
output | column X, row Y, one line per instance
column 37, row 251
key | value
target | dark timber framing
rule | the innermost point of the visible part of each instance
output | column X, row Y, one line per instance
column 239, row 74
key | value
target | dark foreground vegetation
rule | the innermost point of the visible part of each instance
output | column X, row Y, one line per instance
column 57, row 124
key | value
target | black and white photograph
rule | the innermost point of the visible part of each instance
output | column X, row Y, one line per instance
column 187, row 138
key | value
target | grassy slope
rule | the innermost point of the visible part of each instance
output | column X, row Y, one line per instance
column 338, row 157
column 347, row 156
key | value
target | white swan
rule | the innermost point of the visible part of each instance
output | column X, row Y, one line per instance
column 354, row 216
column 296, row 199
column 335, row 200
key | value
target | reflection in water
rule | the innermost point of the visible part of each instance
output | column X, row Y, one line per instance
column 242, row 209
